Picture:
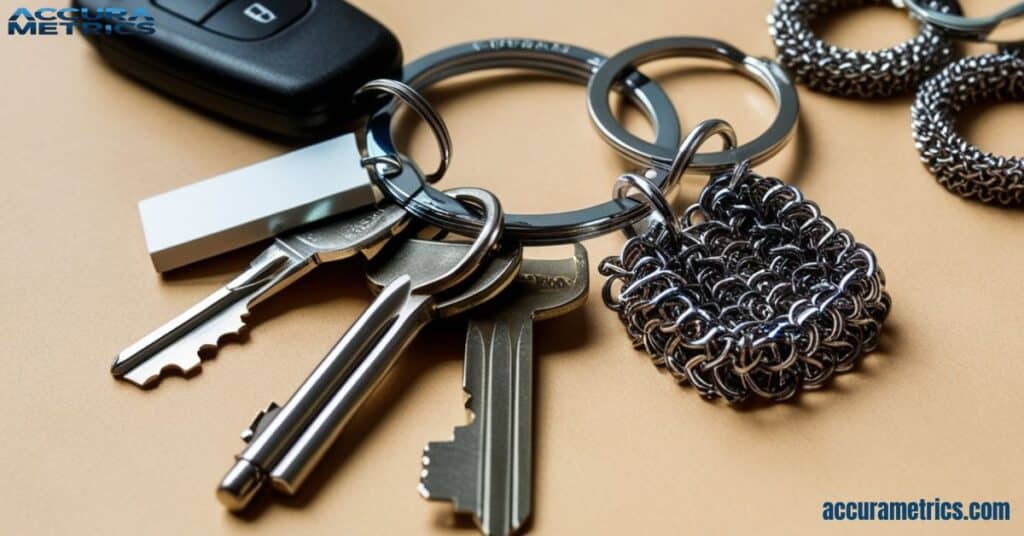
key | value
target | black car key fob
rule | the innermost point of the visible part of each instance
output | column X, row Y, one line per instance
column 287, row 67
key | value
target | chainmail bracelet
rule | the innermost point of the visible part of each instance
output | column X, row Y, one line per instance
column 759, row 294
column 960, row 166
column 855, row 73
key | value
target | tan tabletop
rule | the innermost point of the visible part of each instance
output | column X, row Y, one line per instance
column 620, row 449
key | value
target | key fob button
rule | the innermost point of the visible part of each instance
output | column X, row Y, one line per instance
column 193, row 10
column 250, row 19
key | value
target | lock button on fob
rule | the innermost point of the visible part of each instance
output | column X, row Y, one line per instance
column 246, row 19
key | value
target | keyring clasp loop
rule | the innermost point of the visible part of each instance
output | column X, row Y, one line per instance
column 486, row 241
column 972, row 28
column 684, row 157
column 407, row 188
column 700, row 134
column 419, row 104
column 767, row 73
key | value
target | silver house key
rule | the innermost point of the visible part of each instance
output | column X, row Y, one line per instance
column 175, row 346
column 487, row 469
column 417, row 281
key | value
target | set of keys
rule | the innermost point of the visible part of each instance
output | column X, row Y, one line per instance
column 486, row 470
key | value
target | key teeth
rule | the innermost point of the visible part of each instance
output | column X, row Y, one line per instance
column 448, row 474
column 184, row 365
column 147, row 378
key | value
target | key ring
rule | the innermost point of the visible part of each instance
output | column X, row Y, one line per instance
column 684, row 157
column 960, row 27
column 423, row 108
column 406, row 188
column 751, row 292
column 763, row 71
column 856, row 73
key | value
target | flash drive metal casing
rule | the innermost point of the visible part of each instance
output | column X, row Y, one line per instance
column 254, row 203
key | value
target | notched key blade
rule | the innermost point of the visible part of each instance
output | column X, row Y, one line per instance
column 176, row 346
column 446, row 468
column 182, row 357
column 451, row 469
column 486, row 469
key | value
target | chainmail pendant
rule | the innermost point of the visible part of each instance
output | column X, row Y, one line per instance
column 752, row 293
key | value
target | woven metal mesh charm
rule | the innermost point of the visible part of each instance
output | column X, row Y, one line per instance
column 755, row 293
column 960, row 166
column 855, row 73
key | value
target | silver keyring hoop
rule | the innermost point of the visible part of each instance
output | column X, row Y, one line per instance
column 407, row 188
column 763, row 71
column 419, row 104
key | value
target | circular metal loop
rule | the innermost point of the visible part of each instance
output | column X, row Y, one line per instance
column 700, row 134
column 652, row 195
column 423, row 108
column 960, row 166
column 407, row 189
column 827, row 68
column 764, row 71
column 483, row 244
column 960, row 27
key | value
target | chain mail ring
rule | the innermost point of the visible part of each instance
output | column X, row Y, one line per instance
column 751, row 292
column 855, row 73
column 961, row 167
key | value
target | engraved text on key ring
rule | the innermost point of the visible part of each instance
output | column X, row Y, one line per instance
column 763, row 71
column 406, row 188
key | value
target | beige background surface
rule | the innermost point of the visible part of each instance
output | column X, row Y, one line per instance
column 937, row 412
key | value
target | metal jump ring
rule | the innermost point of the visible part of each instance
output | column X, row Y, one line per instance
column 958, row 165
column 684, row 156
column 763, row 71
column 960, row 27
column 700, row 134
column 856, row 73
column 408, row 190
column 652, row 195
column 419, row 104
column 483, row 244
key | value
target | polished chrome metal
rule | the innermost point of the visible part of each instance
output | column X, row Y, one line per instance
column 487, row 468
column 294, row 439
column 761, row 70
column 652, row 196
column 175, row 347
column 423, row 108
column 259, row 201
column 753, row 294
column 254, row 203
column 684, row 156
column 406, row 186
column 959, row 165
column 971, row 28
column 856, row 73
